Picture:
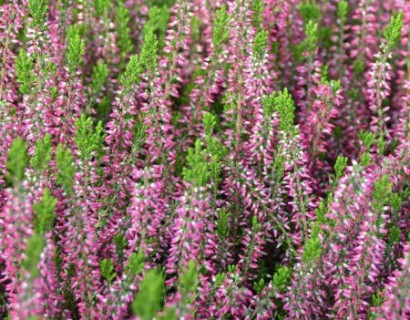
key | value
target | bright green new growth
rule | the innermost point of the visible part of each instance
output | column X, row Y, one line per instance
column 221, row 29
column 309, row 11
column 281, row 278
column 122, row 18
column 340, row 166
column 100, row 76
column 131, row 75
column 311, row 36
column 89, row 140
column 66, row 168
column 44, row 212
column 38, row 10
column 107, row 270
column 222, row 226
column 120, row 243
column 381, row 193
column 259, row 45
column 197, row 171
column 34, row 248
column 312, row 250
column 17, row 160
column 342, row 9
column 367, row 138
column 377, row 299
column 259, row 285
column 396, row 202
column 392, row 33
column 189, row 279
column 135, row 264
column 210, row 122
column 214, row 146
column 101, row 7
column 394, row 235
column 268, row 103
column 148, row 58
column 219, row 279
column 285, row 107
column 321, row 219
column 148, row 300
column 24, row 72
column 157, row 22
column 257, row 8
column 365, row 159
column 42, row 154
column 75, row 48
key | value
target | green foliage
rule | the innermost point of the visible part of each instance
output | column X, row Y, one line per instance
column 312, row 250
column 392, row 34
column 42, row 154
column 210, row 122
column 168, row 3
column 101, row 8
column 285, row 107
column 189, row 279
column 377, row 299
column 335, row 85
column 259, row 285
column 131, row 76
column 195, row 28
column 221, row 29
column 34, row 248
column 45, row 212
column 135, row 264
column 17, row 160
column 259, row 45
column 340, row 166
column 24, row 72
column 122, row 18
column 394, row 235
column 215, row 148
column 100, row 76
column 321, row 219
column 309, row 11
column 281, row 278
column 148, row 58
column 38, row 10
column 157, row 22
column 268, row 103
column 148, row 300
column 66, row 168
column 311, row 36
column 381, row 145
column 89, row 141
column 197, row 171
column 120, row 243
column 367, row 138
column 222, row 226
column 396, row 202
column 358, row 68
column 365, row 159
column 257, row 8
column 169, row 313
column 219, row 279
column 381, row 193
column 75, row 48
column 342, row 9
column 107, row 270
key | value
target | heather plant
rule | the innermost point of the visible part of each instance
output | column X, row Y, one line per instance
column 193, row 159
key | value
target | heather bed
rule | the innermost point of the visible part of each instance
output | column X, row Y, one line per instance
column 204, row 159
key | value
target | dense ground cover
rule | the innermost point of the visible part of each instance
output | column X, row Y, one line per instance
column 204, row 159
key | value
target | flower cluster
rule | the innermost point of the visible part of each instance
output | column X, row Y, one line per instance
column 192, row 159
